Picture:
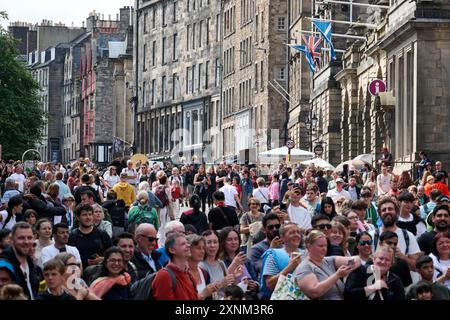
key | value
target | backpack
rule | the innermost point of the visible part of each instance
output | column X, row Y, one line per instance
column 142, row 289
column 118, row 213
column 161, row 194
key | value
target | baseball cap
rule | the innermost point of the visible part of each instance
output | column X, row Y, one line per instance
column 340, row 180
column 443, row 198
column 429, row 178
column 8, row 266
column 123, row 174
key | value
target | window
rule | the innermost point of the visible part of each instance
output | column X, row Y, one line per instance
column 188, row 36
column 175, row 13
column 144, row 58
column 145, row 22
column 200, row 68
column 200, row 30
column 163, row 88
column 153, row 17
column 193, row 36
column 164, row 9
column 256, row 76
column 174, row 52
column 262, row 26
column 256, row 27
column 208, row 22
column 154, row 53
column 281, row 74
column 189, row 79
column 262, row 75
column 206, row 74
column 164, row 53
column 217, row 68
column 194, row 78
column 152, row 100
column 281, row 24
column 188, row 5
column 217, row 27
column 174, row 86
column 144, row 94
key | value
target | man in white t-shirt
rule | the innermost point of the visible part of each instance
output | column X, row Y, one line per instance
column 231, row 195
column 61, row 236
column 19, row 177
column 132, row 176
column 407, row 248
column 297, row 213
column 339, row 191
column 384, row 181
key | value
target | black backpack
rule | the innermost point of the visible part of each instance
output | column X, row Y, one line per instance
column 118, row 213
column 142, row 289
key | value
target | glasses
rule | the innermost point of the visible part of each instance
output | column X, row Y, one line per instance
column 352, row 218
column 274, row 226
column 364, row 242
column 339, row 202
column 115, row 261
column 151, row 239
column 323, row 226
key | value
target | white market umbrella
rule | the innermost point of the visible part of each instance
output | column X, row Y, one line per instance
column 358, row 164
column 278, row 153
column 320, row 163
column 366, row 157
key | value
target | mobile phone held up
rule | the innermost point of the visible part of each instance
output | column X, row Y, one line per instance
column 350, row 262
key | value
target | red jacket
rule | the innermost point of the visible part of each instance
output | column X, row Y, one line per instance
column 162, row 285
column 441, row 187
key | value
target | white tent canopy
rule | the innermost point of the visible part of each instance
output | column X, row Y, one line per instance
column 320, row 163
column 357, row 164
column 278, row 153
column 366, row 157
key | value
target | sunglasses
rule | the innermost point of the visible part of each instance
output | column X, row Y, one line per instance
column 323, row 226
column 274, row 226
column 151, row 239
column 364, row 242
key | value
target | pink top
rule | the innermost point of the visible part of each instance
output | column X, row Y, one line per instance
column 274, row 191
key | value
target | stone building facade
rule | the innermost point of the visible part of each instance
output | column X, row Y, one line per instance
column 408, row 50
column 254, row 114
column 97, row 83
column 48, row 69
column 176, row 61
column 72, row 107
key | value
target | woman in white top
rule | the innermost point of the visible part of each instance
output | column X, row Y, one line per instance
column 44, row 236
column 261, row 193
column 440, row 253
column 8, row 216
column 201, row 277
column 110, row 177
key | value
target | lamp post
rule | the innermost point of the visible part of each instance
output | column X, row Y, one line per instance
column 311, row 124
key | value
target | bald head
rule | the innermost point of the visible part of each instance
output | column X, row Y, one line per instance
column 145, row 229
column 146, row 239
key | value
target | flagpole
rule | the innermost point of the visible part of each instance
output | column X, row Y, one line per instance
column 337, row 35
column 369, row 25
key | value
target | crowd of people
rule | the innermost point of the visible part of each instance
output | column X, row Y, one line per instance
column 137, row 231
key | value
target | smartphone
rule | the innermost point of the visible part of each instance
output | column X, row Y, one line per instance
column 243, row 249
column 276, row 233
column 350, row 262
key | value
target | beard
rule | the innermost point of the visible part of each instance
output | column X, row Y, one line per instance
column 389, row 221
column 441, row 226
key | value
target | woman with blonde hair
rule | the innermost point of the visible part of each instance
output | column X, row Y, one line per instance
column 375, row 282
column 319, row 276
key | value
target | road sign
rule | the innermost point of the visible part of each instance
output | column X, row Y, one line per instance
column 318, row 150
column 290, row 144
column 376, row 87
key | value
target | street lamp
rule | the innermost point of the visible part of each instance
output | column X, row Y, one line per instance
column 311, row 124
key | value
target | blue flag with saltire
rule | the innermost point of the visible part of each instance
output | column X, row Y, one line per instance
column 324, row 28
column 308, row 56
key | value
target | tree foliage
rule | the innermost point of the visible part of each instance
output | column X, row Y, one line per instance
column 21, row 115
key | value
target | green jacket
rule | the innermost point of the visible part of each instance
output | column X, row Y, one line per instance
column 143, row 214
